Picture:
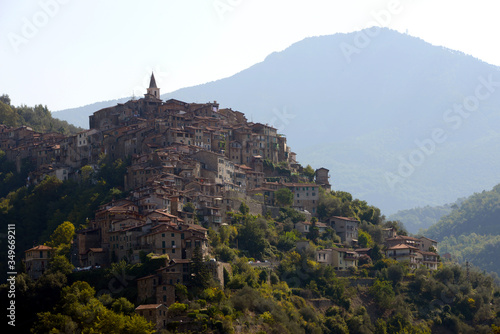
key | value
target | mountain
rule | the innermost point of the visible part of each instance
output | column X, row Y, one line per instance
column 421, row 217
column 388, row 121
column 472, row 231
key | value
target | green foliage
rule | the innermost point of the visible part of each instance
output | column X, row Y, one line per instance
column 200, row 278
column 177, row 309
column 225, row 253
column 422, row 217
column 60, row 263
column 38, row 210
column 364, row 239
column 61, row 238
column 340, row 203
column 189, row 207
column 383, row 293
column 309, row 172
column 478, row 213
column 291, row 214
column 471, row 231
column 480, row 250
column 284, row 197
column 253, row 237
column 38, row 118
column 244, row 209
column 80, row 311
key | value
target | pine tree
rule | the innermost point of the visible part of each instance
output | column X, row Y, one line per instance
column 200, row 277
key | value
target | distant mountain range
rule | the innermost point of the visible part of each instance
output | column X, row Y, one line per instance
column 388, row 120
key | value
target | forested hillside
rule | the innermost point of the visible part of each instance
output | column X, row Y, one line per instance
column 380, row 296
column 480, row 214
column 38, row 118
column 471, row 232
column 423, row 217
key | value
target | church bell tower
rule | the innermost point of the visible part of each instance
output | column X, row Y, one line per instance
column 153, row 90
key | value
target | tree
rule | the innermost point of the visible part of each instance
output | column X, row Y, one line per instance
column 62, row 235
column 5, row 99
column 284, row 197
column 189, row 207
column 61, row 238
column 383, row 293
column 79, row 311
column 313, row 233
column 395, row 273
column 200, row 276
column 86, row 173
column 252, row 237
column 244, row 209
column 364, row 239
column 7, row 115
column 60, row 263
column 309, row 172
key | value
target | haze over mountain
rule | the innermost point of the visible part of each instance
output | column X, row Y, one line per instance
column 381, row 119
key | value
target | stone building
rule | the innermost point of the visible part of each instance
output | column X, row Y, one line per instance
column 37, row 260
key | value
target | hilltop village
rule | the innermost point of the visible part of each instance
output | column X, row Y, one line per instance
column 191, row 166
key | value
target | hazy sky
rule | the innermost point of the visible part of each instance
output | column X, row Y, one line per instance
column 68, row 53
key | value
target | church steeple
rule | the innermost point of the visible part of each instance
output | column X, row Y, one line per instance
column 153, row 90
column 152, row 83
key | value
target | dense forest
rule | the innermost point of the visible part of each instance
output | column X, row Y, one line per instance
column 471, row 231
column 39, row 118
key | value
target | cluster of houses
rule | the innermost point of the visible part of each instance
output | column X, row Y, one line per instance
column 415, row 252
column 191, row 164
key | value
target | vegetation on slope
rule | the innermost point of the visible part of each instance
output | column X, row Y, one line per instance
column 422, row 217
column 471, row 232
column 38, row 118
column 39, row 209
column 477, row 214
column 278, row 298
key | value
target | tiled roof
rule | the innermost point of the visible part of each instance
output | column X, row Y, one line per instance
column 402, row 246
column 148, row 306
column 39, row 248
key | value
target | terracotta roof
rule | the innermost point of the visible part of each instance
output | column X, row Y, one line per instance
column 148, row 306
column 145, row 277
column 39, row 248
column 402, row 237
column 95, row 250
column 346, row 218
column 402, row 246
